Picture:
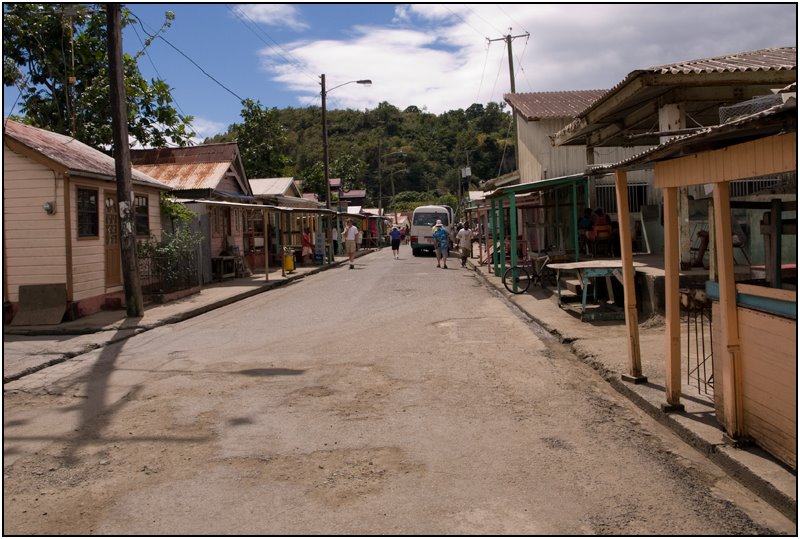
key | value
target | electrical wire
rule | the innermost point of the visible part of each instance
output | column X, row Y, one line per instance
column 512, row 19
column 465, row 22
column 296, row 63
column 481, row 18
column 483, row 72
column 150, row 59
column 206, row 73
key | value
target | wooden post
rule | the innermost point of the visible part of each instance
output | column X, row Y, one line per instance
column 266, row 243
column 626, row 253
column 493, row 219
column 729, row 319
column 574, row 227
column 672, row 355
column 134, row 303
column 512, row 222
column 501, row 236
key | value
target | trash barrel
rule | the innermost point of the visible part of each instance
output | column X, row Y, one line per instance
column 288, row 261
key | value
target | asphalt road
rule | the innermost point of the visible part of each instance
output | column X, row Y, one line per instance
column 394, row 398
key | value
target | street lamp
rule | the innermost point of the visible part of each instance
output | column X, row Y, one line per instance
column 324, row 94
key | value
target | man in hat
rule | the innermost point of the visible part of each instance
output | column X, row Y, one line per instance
column 441, row 243
column 395, row 235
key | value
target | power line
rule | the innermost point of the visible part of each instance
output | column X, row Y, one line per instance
column 297, row 63
column 206, row 73
column 465, row 22
column 483, row 73
column 481, row 18
column 512, row 18
column 150, row 59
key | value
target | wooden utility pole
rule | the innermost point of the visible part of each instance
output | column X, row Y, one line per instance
column 508, row 38
column 122, row 159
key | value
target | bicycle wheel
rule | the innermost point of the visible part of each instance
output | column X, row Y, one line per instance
column 517, row 279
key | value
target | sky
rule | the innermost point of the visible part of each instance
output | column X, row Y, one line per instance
column 438, row 57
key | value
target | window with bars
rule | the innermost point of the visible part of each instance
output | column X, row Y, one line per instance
column 88, row 216
column 606, row 197
column 141, row 215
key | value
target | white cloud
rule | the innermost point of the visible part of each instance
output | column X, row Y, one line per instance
column 273, row 15
column 437, row 56
column 206, row 128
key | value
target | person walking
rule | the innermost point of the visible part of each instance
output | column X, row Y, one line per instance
column 442, row 243
column 349, row 234
column 464, row 240
column 395, row 235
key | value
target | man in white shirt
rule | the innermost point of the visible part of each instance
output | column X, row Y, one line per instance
column 350, row 232
column 464, row 241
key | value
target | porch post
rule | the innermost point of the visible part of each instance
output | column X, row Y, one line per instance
column 575, row 219
column 502, row 236
column 264, row 214
column 512, row 220
column 493, row 226
column 672, row 261
column 731, row 358
column 628, row 272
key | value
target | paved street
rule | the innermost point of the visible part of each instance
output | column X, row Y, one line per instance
column 395, row 398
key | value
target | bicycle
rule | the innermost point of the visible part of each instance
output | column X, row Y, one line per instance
column 517, row 279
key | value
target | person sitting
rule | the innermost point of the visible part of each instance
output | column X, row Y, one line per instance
column 601, row 232
column 584, row 226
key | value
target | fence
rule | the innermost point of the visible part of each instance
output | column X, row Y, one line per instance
column 163, row 275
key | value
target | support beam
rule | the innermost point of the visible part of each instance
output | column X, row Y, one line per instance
column 729, row 319
column 628, row 272
column 512, row 221
column 672, row 356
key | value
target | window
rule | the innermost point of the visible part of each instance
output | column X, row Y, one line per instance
column 87, row 213
column 141, row 215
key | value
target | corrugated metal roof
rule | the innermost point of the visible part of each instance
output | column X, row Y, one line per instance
column 540, row 105
column 673, row 146
column 71, row 153
column 353, row 193
column 187, row 176
column 204, row 153
column 782, row 58
column 750, row 73
column 272, row 186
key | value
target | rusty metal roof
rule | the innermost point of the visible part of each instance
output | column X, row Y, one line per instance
column 187, row 176
column 541, row 105
column 75, row 156
column 701, row 86
column 204, row 153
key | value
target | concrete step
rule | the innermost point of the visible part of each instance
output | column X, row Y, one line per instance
column 573, row 285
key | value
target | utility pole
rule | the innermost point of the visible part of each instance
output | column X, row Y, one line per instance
column 122, row 162
column 508, row 38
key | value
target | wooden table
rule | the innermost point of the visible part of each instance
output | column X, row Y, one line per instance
column 223, row 267
column 587, row 270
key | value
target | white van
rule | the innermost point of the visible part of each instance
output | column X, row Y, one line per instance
column 422, row 221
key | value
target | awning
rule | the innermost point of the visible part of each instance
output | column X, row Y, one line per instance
column 541, row 185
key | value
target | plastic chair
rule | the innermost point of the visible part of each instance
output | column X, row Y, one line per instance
column 603, row 234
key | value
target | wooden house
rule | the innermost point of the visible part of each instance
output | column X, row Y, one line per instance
column 289, row 214
column 754, row 317
column 60, row 219
column 651, row 104
column 210, row 179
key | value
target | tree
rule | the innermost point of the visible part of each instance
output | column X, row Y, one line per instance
column 262, row 141
column 56, row 54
